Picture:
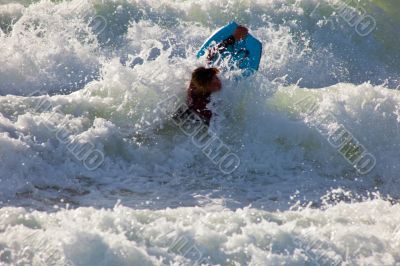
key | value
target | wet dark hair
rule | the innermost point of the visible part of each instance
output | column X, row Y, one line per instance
column 202, row 77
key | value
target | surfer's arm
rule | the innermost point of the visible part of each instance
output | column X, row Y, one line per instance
column 239, row 34
column 221, row 47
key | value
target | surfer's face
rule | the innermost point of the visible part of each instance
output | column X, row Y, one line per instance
column 215, row 84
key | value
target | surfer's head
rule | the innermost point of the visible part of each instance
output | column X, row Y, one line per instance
column 240, row 33
column 205, row 79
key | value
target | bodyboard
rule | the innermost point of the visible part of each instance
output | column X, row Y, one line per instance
column 253, row 46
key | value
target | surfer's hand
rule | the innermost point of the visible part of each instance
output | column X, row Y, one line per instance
column 240, row 33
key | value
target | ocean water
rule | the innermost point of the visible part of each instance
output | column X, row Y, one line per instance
column 299, row 166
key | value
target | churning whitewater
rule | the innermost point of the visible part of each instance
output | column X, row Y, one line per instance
column 94, row 172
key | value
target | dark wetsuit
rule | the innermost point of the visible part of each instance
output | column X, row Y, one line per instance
column 197, row 102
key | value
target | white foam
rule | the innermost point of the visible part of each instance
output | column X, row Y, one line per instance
column 345, row 233
column 103, row 89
